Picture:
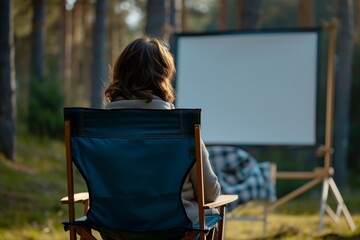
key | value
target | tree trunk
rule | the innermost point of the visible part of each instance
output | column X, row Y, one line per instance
column 306, row 20
column 175, row 21
column 62, row 42
column 179, row 16
column 239, row 11
column 86, row 53
column 222, row 21
column 111, row 33
column 343, row 90
column 77, row 45
column 7, row 82
column 37, row 69
column 357, row 9
column 306, row 13
column 37, row 62
column 170, row 22
column 250, row 14
column 68, row 56
column 100, row 59
column 155, row 18
column 183, row 16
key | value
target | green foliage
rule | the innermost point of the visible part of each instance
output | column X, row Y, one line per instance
column 45, row 108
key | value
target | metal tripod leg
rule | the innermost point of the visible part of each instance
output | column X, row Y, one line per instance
column 329, row 183
column 323, row 204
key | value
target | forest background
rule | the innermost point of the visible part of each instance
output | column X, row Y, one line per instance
column 57, row 53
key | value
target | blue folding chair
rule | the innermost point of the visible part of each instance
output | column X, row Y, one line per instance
column 134, row 163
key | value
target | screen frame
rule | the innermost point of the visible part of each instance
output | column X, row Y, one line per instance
column 317, row 31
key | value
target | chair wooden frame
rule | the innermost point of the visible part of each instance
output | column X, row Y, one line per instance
column 83, row 197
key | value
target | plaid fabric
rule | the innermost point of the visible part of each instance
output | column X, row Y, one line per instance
column 239, row 173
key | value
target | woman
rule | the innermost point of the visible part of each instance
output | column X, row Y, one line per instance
column 143, row 78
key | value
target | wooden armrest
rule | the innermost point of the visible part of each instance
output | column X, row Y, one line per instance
column 221, row 200
column 81, row 197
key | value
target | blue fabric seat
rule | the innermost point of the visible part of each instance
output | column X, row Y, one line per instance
column 134, row 163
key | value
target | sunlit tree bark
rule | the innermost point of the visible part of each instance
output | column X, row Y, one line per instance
column 7, row 82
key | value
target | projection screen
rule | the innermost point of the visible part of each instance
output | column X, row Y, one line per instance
column 254, row 88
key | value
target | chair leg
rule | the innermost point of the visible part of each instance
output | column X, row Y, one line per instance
column 202, row 236
column 211, row 234
column 190, row 236
column 72, row 234
column 221, row 223
column 84, row 232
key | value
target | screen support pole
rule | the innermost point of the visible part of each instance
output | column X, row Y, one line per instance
column 328, row 181
column 322, row 174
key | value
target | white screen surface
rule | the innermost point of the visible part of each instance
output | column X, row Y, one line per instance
column 255, row 89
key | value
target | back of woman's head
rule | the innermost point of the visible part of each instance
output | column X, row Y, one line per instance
column 144, row 68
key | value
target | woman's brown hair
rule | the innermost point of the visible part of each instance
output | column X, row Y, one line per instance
column 145, row 68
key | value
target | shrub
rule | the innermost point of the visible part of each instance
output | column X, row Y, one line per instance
column 45, row 108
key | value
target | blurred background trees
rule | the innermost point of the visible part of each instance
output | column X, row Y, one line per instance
column 99, row 51
column 44, row 98
column 64, row 49
column 343, row 88
column 7, row 82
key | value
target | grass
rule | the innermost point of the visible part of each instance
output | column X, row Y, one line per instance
column 288, row 227
column 31, row 188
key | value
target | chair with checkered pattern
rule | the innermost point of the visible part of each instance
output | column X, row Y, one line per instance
column 239, row 173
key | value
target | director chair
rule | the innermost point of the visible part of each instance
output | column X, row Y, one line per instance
column 134, row 163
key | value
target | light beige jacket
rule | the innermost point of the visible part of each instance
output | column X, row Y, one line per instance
column 189, row 191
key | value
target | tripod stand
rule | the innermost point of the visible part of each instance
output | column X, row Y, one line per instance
column 322, row 174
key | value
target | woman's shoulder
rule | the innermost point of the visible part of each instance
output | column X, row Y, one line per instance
column 156, row 103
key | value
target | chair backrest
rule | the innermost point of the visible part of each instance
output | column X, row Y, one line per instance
column 134, row 162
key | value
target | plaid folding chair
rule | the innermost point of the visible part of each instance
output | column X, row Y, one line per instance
column 134, row 163
column 239, row 173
